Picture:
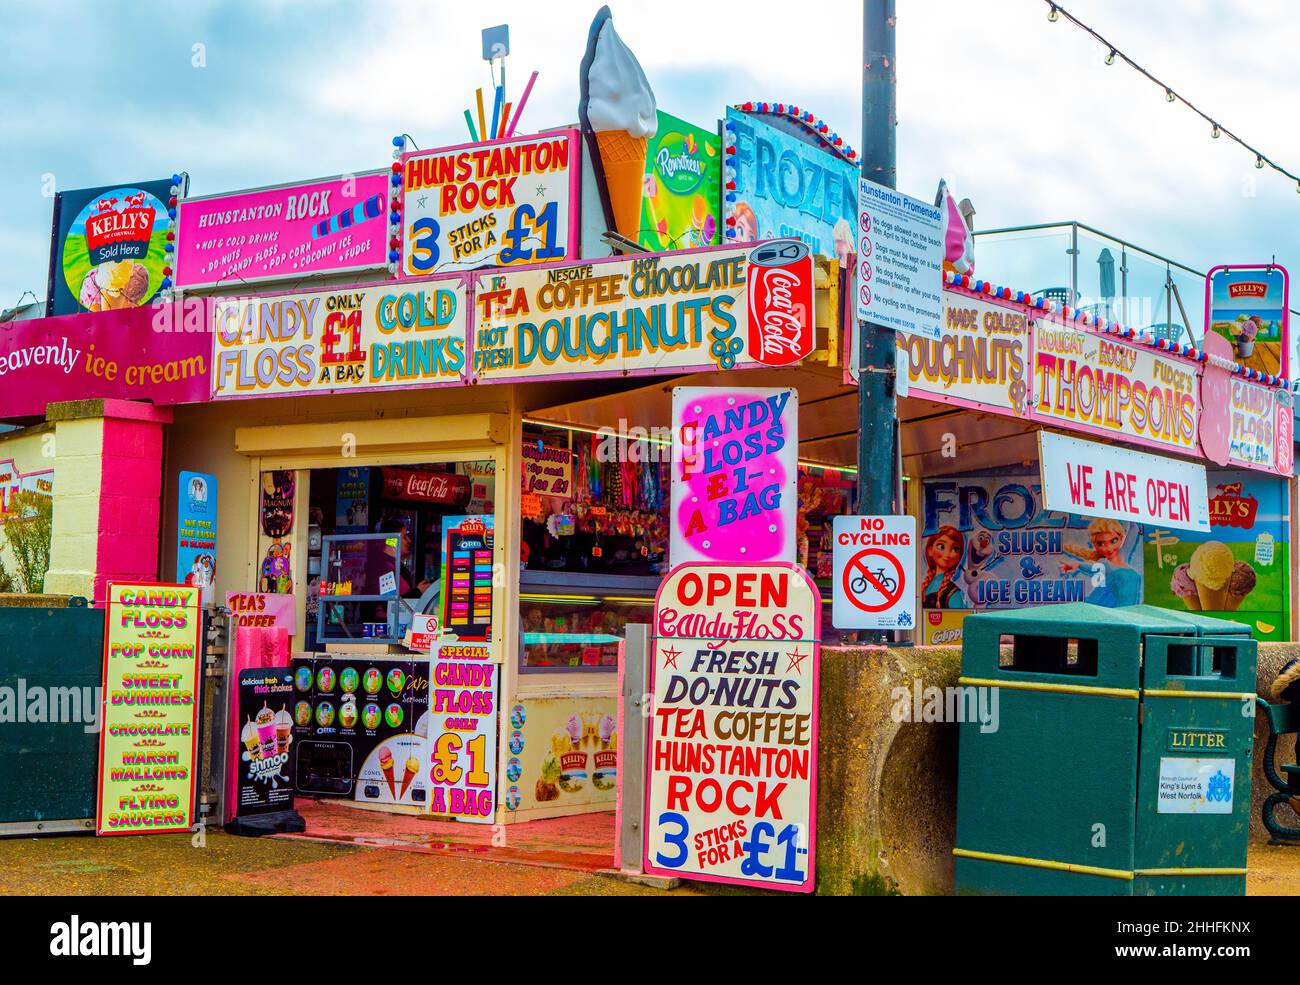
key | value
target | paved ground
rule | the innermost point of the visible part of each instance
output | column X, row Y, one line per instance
column 366, row 854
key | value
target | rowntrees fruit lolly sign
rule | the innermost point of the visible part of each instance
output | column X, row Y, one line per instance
column 682, row 187
column 735, row 474
column 495, row 204
column 151, row 699
column 731, row 787
column 335, row 225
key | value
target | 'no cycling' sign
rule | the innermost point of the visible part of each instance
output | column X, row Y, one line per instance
column 874, row 578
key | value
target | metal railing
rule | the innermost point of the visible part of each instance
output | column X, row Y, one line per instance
column 1087, row 268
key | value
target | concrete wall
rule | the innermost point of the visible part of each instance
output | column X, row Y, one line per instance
column 887, row 789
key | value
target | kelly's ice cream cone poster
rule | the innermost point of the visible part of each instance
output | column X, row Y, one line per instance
column 113, row 246
column 731, row 781
column 1241, row 566
column 565, row 754
column 1248, row 306
column 496, row 204
column 617, row 111
column 735, row 474
column 681, row 188
column 149, row 737
column 461, row 761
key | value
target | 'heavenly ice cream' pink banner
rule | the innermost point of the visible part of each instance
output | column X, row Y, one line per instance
column 150, row 353
column 318, row 227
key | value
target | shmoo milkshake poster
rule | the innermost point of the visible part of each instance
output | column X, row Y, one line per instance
column 151, row 681
column 735, row 474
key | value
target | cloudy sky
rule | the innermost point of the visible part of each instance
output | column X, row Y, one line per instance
column 1020, row 114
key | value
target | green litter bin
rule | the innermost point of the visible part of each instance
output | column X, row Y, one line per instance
column 1120, row 762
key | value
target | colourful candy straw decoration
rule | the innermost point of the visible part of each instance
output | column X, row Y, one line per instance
column 371, row 208
column 520, row 108
column 469, row 122
column 496, row 110
column 482, row 121
column 504, row 114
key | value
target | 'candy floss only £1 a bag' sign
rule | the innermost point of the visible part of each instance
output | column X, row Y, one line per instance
column 731, row 787
column 735, row 474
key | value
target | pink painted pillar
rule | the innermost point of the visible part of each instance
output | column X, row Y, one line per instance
column 107, row 489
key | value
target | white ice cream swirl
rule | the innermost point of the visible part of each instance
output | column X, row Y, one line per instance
column 618, row 95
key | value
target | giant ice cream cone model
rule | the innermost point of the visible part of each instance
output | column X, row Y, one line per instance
column 618, row 107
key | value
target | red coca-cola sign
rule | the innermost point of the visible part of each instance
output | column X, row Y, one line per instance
column 445, row 488
column 780, row 302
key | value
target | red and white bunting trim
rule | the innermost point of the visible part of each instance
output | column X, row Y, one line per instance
column 813, row 124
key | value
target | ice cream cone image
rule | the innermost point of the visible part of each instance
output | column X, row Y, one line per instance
column 573, row 727
column 386, row 766
column 1181, row 584
column 617, row 106
column 1240, row 584
column 412, row 767
column 1210, row 568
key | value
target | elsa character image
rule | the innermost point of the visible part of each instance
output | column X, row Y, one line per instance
column 1118, row 584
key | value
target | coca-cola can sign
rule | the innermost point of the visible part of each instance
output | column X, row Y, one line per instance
column 780, row 302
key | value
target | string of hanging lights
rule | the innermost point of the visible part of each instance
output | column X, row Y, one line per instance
column 1217, row 130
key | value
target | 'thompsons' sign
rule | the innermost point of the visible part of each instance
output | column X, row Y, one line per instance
column 731, row 788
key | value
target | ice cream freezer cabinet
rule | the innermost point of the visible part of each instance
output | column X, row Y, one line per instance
column 1120, row 760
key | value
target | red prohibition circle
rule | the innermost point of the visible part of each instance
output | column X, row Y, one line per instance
column 856, row 568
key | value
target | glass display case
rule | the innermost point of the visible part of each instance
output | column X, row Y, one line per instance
column 574, row 623
column 360, row 589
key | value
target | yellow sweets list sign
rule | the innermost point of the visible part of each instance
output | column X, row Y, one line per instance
column 151, row 694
